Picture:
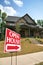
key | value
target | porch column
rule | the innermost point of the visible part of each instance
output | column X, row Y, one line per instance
column 29, row 32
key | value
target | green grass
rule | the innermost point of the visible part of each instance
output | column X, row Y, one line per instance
column 41, row 63
column 26, row 48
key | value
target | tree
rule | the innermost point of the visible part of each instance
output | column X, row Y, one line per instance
column 40, row 22
column 17, row 28
column 3, row 17
column 0, row 28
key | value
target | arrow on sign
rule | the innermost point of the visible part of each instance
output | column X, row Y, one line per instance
column 12, row 47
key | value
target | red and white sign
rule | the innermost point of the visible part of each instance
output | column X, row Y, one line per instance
column 12, row 41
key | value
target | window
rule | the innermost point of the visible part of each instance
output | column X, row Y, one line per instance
column 10, row 24
column 21, row 23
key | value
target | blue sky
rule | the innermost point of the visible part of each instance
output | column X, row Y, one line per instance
column 20, row 7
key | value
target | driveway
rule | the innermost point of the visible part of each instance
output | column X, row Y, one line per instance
column 28, row 59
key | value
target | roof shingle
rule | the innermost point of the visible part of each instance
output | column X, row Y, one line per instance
column 12, row 19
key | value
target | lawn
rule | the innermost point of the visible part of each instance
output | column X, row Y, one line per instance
column 41, row 63
column 41, row 40
column 26, row 48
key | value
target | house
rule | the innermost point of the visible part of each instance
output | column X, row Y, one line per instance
column 29, row 27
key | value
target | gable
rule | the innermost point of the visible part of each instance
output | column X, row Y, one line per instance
column 26, row 19
column 22, row 21
column 29, row 20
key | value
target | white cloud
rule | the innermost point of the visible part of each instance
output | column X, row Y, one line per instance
column 7, row 2
column 1, row 7
column 18, row 2
column 9, row 10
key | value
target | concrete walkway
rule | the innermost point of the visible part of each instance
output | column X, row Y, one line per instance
column 34, row 41
column 28, row 59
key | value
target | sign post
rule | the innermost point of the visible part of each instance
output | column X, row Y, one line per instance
column 12, row 42
column 11, row 58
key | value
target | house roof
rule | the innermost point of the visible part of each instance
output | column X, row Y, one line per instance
column 26, row 17
column 12, row 18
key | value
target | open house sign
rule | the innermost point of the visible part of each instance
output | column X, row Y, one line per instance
column 12, row 41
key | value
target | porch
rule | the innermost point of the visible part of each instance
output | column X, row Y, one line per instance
column 29, row 31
